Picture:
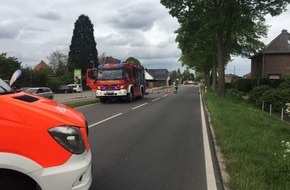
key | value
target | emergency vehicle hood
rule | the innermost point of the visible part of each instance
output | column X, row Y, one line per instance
column 35, row 111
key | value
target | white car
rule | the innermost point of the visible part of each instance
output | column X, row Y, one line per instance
column 76, row 87
column 41, row 91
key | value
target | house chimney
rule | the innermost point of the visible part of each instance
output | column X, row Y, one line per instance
column 284, row 31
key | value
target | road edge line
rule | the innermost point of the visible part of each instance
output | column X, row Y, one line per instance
column 210, row 174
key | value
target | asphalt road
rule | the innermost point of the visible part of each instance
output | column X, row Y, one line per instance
column 157, row 143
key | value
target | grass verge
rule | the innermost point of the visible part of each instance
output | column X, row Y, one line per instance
column 81, row 103
column 255, row 145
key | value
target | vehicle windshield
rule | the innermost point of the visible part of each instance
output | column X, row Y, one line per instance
column 110, row 74
column 31, row 90
column 4, row 87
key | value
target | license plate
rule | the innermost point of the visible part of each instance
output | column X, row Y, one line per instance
column 110, row 93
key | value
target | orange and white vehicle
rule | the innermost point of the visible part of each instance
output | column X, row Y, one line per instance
column 122, row 80
column 43, row 144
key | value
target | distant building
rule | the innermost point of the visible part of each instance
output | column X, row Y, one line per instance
column 274, row 60
column 40, row 66
column 230, row 78
column 246, row 76
column 157, row 77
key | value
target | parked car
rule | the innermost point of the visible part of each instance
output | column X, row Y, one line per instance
column 64, row 89
column 43, row 144
column 41, row 91
column 76, row 87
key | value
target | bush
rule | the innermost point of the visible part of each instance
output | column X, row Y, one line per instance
column 277, row 97
column 275, row 83
column 257, row 92
column 244, row 85
column 284, row 85
column 229, row 86
column 264, row 81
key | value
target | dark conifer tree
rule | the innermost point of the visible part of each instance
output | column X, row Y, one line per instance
column 83, row 52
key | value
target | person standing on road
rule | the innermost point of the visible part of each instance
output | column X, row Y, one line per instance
column 176, row 85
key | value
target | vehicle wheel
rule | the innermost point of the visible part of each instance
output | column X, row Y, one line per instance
column 130, row 96
column 142, row 93
column 103, row 99
column 12, row 180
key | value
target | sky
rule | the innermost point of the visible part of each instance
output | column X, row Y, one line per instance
column 31, row 30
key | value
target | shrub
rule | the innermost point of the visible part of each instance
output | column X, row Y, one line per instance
column 229, row 86
column 277, row 97
column 244, row 85
column 284, row 85
column 264, row 81
column 257, row 92
column 276, row 83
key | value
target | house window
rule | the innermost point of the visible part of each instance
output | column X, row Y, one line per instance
column 277, row 76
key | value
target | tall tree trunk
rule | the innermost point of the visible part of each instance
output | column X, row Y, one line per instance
column 207, row 79
column 221, row 65
column 214, row 76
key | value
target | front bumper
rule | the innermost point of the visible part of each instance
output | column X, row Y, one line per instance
column 111, row 93
column 75, row 174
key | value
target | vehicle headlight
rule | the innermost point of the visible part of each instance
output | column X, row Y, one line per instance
column 69, row 137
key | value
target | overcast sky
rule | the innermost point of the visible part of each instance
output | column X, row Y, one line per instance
column 31, row 30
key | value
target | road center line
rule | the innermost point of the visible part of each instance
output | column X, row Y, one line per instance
column 105, row 120
column 210, row 177
column 139, row 106
column 155, row 99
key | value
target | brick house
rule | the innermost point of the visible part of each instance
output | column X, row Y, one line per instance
column 274, row 60
column 40, row 66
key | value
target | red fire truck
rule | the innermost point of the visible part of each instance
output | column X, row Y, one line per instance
column 122, row 80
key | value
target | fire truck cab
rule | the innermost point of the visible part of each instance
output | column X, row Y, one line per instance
column 122, row 80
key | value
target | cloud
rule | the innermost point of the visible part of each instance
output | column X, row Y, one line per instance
column 137, row 15
column 49, row 15
column 31, row 30
column 10, row 28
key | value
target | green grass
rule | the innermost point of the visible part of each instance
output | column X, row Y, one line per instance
column 82, row 103
column 250, row 141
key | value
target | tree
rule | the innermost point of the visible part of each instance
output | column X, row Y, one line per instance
column 175, row 75
column 235, row 27
column 8, row 65
column 83, row 50
column 133, row 60
column 58, row 62
column 186, row 75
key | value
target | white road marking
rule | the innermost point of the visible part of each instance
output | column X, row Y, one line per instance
column 210, row 177
column 155, row 99
column 94, row 124
column 139, row 106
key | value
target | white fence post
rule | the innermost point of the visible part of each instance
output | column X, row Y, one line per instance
column 270, row 109
column 282, row 114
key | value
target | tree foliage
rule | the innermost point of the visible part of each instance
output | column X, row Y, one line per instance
column 133, row 60
column 83, row 50
column 58, row 62
column 218, row 29
column 175, row 74
column 8, row 65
